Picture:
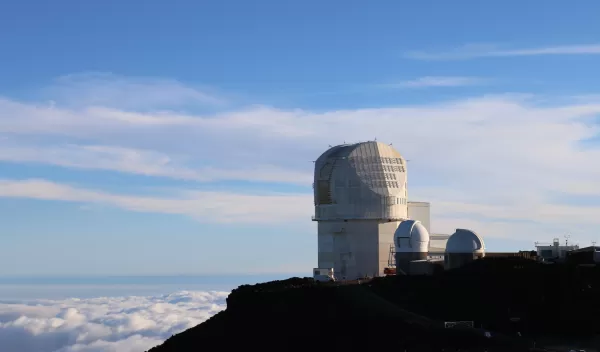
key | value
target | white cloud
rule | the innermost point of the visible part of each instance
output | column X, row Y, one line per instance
column 206, row 206
column 498, row 159
column 142, row 162
column 105, row 89
column 105, row 324
column 473, row 51
column 437, row 81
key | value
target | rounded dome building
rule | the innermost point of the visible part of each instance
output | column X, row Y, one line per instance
column 411, row 241
column 360, row 197
column 360, row 181
column 463, row 247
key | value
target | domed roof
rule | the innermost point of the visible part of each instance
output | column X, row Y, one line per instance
column 411, row 236
column 370, row 149
column 349, row 183
column 464, row 241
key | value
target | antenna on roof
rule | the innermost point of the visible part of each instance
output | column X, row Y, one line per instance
column 375, row 139
column 593, row 243
column 567, row 239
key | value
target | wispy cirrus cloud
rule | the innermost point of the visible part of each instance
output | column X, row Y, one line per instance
column 473, row 51
column 437, row 81
column 223, row 207
column 143, row 162
column 110, row 90
column 482, row 160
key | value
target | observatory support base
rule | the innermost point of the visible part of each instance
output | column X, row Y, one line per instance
column 355, row 248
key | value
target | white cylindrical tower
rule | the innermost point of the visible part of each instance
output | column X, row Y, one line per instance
column 463, row 247
column 360, row 196
column 411, row 241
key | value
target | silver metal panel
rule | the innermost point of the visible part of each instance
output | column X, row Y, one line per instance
column 437, row 243
column 420, row 211
column 438, row 237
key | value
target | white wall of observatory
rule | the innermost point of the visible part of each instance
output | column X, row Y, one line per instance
column 420, row 211
column 437, row 243
column 349, row 247
column 355, row 248
column 386, row 242
column 360, row 181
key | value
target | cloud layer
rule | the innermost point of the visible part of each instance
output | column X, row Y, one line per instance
column 141, row 162
column 473, row 51
column 101, row 89
column 205, row 206
column 501, row 164
column 119, row 324
column 438, row 81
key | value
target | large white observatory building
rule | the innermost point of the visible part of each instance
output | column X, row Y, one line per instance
column 362, row 210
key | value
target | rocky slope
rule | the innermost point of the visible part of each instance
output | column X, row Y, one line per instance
column 501, row 295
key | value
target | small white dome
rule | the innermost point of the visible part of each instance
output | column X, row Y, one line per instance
column 465, row 241
column 411, row 236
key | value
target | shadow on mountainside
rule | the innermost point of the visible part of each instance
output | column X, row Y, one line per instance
column 407, row 312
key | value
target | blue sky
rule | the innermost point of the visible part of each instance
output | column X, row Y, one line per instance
column 177, row 137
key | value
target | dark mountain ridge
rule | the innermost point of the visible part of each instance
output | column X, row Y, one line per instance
column 517, row 301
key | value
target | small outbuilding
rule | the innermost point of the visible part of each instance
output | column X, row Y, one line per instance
column 411, row 241
column 463, row 247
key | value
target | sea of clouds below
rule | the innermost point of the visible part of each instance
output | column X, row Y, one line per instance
column 104, row 324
